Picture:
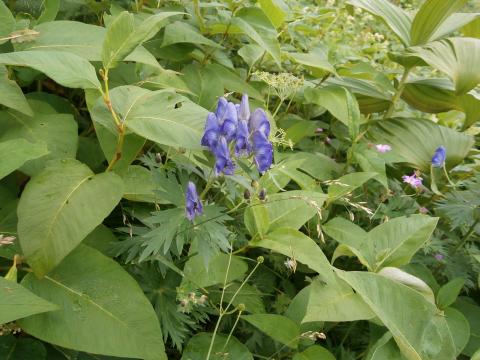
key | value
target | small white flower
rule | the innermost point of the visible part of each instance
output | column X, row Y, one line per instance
column 6, row 240
column 291, row 264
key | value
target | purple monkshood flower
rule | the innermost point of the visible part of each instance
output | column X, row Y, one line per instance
column 223, row 163
column 383, row 148
column 263, row 151
column 242, row 143
column 438, row 159
column 413, row 180
column 439, row 257
column 244, row 109
column 229, row 122
column 193, row 204
column 212, row 131
column 259, row 122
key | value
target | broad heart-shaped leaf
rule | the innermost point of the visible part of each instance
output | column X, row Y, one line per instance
column 111, row 314
column 123, row 36
column 395, row 17
column 16, row 302
column 161, row 116
column 197, row 348
column 314, row 352
column 278, row 327
column 14, row 153
column 420, row 331
column 294, row 244
column 59, row 207
column 392, row 243
column 458, row 58
column 66, row 69
column 11, row 95
column 62, row 35
column 253, row 22
column 347, row 183
column 340, row 102
column 293, row 208
column 335, row 301
column 430, row 17
column 57, row 131
column 414, row 141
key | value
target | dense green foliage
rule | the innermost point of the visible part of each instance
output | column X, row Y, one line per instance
column 132, row 227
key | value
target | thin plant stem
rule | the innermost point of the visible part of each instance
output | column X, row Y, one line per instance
column 233, row 328
column 398, row 93
column 448, row 177
column 470, row 232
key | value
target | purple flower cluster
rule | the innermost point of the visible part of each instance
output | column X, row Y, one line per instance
column 413, row 180
column 234, row 124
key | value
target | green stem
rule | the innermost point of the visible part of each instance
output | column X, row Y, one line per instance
column 198, row 14
column 470, row 232
column 208, row 186
column 233, row 328
column 398, row 93
column 448, row 177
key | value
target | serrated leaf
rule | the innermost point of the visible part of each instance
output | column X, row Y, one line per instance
column 105, row 304
column 59, row 207
column 16, row 302
column 66, row 69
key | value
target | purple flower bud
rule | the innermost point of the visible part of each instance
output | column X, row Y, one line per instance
column 259, row 122
column 223, row 161
column 221, row 108
column 244, row 109
column 263, row 151
column 242, row 143
column 193, row 204
column 212, row 131
column 229, row 122
column 438, row 159
column 383, row 148
column 413, row 180
column 439, row 257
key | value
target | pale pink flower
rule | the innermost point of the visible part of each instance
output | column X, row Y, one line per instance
column 383, row 148
column 413, row 180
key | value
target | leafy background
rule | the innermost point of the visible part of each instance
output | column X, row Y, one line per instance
column 328, row 255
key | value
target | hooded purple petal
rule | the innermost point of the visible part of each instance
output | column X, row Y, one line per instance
column 244, row 109
column 263, row 151
column 193, row 204
column 212, row 131
column 439, row 157
column 259, row 122
column 221, row 108
column 230, row 122
column 242, row 143
column 223, row 163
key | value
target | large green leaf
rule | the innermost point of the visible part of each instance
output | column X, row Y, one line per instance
column 414, row 141
column 471, row 312
column 254, row 23
column 294, row 244
column 293, row 208
column 430, row 17
column 395, row 17
column 111, row 314
column 14, row 153
column 16, row 302
column 57, row 131
column 139, row 185
column 317, row 62
column 347, row 183
column 278, row 327
column 314, row 352
column 458, row 58
column 62, row 35
column 459, row 328
column 340, row 103
column 197, row 348
column 181, row 32
column 455, row 22
column 7, row 21
column 161, row 116
column 392, row 243
column 415, row 323
column 11, row 95
column 66, row 69
column 449, row 292
column 385, row 348
column 335, row 301
column 205, row 83
column 122, row 36
column 59, row 207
